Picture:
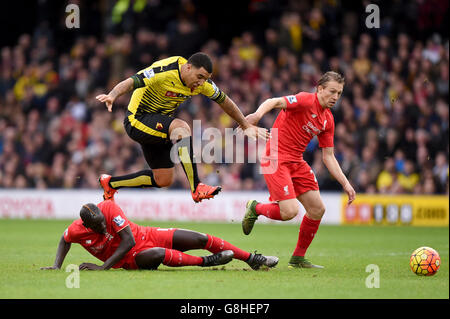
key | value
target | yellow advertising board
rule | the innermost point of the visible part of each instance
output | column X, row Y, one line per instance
column 415, row 210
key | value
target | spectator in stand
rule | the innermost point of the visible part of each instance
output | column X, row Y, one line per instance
column 440, row 170
column 394, row 108
column 408, row 178
column 387, row 178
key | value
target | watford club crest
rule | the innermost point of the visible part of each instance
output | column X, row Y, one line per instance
column 159, row 126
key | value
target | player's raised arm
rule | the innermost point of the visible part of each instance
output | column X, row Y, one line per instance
column 123, row 87
column 249, row 129
column 61, row 252
column 332, row 164
column 265, row 107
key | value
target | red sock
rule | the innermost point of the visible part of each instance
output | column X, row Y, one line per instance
column 270, row 210
column 308, row 229
column 176, row 258
column 216, row 245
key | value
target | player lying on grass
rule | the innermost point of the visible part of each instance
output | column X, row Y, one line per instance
column 288, row 176
column 105, row 232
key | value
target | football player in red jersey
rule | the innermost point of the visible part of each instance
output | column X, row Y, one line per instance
column 105, row 232
column 289, row 178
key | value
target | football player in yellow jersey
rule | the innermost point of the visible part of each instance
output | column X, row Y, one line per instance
column 157, row 91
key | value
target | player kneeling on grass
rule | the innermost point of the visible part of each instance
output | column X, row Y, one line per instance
column 288, row 176
column 107, row 234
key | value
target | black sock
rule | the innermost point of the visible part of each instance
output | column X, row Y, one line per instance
column 140, row 179
column 186, row 155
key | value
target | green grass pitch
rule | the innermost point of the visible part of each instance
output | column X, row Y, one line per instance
column 345, row 251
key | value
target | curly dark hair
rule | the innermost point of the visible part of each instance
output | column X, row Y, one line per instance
column 201, row 59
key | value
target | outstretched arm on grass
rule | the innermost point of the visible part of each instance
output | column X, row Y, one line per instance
column 61, row 252
column 126, row 243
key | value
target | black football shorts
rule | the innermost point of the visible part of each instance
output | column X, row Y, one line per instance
column 151, row 131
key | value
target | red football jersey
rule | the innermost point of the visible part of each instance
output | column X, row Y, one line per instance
column 103, row 246
column 295, row 126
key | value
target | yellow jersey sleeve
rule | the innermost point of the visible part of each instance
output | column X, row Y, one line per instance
column 211, row 90
column 145, row 77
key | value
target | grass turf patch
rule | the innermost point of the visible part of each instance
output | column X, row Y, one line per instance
column 345, row 251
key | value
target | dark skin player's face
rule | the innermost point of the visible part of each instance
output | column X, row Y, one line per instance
column 97, row 224
column 194, row 77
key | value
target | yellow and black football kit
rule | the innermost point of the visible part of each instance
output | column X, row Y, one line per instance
column 158, row 91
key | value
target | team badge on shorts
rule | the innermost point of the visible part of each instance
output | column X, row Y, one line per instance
column 159, row 126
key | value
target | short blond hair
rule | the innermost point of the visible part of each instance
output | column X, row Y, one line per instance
column 330, row 76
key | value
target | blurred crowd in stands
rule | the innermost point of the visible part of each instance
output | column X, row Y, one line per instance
column 392, row 121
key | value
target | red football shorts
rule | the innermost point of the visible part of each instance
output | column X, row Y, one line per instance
column 152, row 237
column 290, row 180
